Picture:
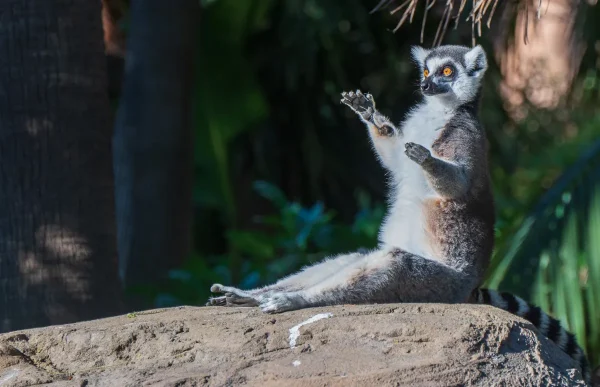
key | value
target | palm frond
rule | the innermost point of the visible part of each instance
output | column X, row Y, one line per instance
column 554, row 258
column 481, row 13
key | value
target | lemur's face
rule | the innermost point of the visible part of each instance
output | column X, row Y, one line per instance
column 452, row 73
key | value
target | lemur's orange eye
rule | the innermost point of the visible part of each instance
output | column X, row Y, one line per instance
column 447, row 71
column 426, row 73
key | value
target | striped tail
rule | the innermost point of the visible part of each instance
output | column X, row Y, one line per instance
column 547, row 326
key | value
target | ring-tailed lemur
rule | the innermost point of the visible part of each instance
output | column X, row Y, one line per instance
column 437, row 238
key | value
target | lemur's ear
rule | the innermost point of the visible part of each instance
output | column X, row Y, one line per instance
column 476, row 61
column 419, row 54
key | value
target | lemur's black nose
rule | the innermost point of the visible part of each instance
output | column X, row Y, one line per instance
column 425, row 86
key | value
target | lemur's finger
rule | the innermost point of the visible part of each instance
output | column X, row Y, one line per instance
column 350, row 103
column 269, row 307
column 242, row 301
column 236, row 291
column 218, row 288
column 217, row 301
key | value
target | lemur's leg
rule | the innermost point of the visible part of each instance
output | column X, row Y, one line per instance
column 307, row 277
column 384, row 276
column 381, row 130
column 313, row 274
column 447, row 179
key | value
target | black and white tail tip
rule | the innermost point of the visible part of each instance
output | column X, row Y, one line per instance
column 548, row 326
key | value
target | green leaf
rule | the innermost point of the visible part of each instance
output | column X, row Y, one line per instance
column 554, row 257
column 255, row 244
column 271, row 192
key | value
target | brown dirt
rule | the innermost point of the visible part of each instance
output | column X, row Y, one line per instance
column 369, row 345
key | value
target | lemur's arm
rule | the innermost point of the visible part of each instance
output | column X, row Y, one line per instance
column 382, row 131
column 448, row 179
column 383, row 276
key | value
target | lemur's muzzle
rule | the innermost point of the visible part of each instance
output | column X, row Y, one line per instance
column 431, row 87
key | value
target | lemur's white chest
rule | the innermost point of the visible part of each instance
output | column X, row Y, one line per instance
column 404, row 226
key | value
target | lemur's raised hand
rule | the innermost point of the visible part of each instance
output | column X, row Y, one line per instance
column 437, row 238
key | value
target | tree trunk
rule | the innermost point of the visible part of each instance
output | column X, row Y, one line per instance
column 153, row 141
column 58, row 260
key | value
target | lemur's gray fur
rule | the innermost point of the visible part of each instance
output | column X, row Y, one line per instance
column 437, row 238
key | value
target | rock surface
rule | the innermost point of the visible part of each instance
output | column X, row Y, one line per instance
column 369, row 345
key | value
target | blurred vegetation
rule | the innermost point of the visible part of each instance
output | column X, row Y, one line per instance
column 285, row 175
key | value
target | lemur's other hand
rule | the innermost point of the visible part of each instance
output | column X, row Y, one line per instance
column 362, row 104
column 417, row 153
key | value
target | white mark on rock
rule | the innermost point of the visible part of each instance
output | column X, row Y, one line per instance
column 8, row 376
column 295, row 331
column 296, row 363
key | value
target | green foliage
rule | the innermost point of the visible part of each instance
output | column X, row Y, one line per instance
column 292, row 237
column 228, row 100
column 554, row 257
column 547, row 230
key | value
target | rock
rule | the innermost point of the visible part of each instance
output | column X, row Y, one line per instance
column 367, row 345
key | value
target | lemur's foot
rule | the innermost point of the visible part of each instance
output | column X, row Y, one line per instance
column 417, row 153
column 233, row 297
column 362, row 104
column 281, row 302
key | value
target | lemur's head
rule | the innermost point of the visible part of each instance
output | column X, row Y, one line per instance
column 452, row 73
